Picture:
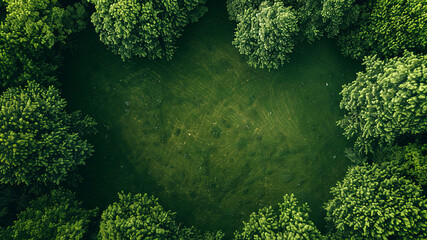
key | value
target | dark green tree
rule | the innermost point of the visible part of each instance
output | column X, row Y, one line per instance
column 142, row 217
column 339, row 15
column 386, row 101
column 40, row 143
column 57, row 215
column 238, row 7
column 31, row 38
column 377, row 202
column 266, row 35
column 290, row 221
column 412, row 158
column 144, row 28
column 389, row 28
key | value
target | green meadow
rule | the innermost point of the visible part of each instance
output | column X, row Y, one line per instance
column 212, row 138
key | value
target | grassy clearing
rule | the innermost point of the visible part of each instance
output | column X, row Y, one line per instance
column 212, row 138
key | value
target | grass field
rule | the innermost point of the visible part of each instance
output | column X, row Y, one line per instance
column 213, row 139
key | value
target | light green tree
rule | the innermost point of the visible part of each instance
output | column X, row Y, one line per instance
column 386, row 101
column 377, row 202
column 142, row 217
column 266, row 35
column 57, row 215
column 290, row 221
column 40, row 142
column 31, row 38
column 144, row 28
column 388, row 28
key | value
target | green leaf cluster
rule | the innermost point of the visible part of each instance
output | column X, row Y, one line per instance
column 39, row 141
column 339, row 15
column 266, row 35
column 144, row 28
column 290, row 221
column 57, row 215
column 238, row 7
column 31, row 37
column 377, row 202
column 386, row 101
column 388, row 29
column 142, row 217
column 412, row 158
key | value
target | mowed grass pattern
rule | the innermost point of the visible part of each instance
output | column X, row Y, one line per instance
column 212, row 138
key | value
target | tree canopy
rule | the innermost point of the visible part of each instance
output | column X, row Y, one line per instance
column 387, row 29
column 338, row 15
column 142, row 217
column 386, row 101
column 290, row 221
column 39, row 141
column 57, row 215
column 377, row 202
column 144, row 28
column 31, row 37
column 266, row 35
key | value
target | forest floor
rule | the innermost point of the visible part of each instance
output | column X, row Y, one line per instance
column 209, row 136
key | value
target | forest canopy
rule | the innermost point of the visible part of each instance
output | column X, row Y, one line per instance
column 43, row 144
column 144, row 28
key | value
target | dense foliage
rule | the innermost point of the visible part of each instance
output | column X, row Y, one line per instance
column 57, row 215
column 338, row 15
column 238, row 7
column 142, row 217
column 377, row 202
column 266, row 35
column 31, row 37
column 387, row 29
column 290, row 221
column 144, row 28
column 39, row 141
column 386, row 101
column 412, row 158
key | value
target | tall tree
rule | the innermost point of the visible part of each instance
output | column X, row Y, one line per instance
column 390, row 28
column 142, row 217
column 57, row 215
column 238, row 7
column 339, row 15
column 31, row 37
column 377, row 202
column 386, row 101
column 144, row 28
column 266, row 35
column 40, row 142
column 290, row 221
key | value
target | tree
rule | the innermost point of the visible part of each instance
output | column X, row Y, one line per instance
column 386, row 101
column 57, row 215
column 266, row 35
column 390, row 28
column 339, row 14
column 144, row 28
column 238, row 7
column 290, row 221
column 412, row 158
column 31, row 38
column 40, row 142
column 377, row 202
column 142, row 217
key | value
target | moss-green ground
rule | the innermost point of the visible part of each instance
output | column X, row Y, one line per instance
column 213, row 139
